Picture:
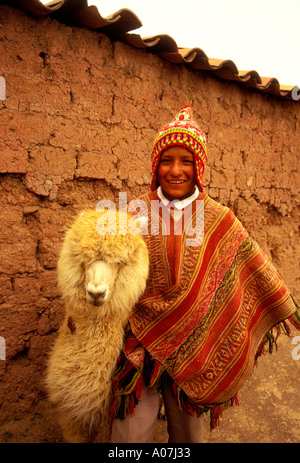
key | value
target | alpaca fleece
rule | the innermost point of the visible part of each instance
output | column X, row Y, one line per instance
column 90, row 339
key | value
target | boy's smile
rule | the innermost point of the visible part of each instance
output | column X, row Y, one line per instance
column 176, row 173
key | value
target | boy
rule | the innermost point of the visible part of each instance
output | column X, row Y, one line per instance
column 208, row 306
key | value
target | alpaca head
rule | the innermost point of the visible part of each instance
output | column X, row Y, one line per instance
column 99, row 281
column 102, row 268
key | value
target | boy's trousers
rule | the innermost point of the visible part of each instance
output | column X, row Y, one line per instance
column 140, row 426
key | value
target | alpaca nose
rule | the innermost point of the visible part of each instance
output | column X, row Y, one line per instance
column 96, row 295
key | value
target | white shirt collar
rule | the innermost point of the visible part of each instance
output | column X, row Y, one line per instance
column 177, row 203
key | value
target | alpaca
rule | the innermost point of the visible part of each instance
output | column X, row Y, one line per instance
column 101, row 277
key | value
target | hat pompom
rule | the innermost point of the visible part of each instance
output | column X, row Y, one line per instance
column 186, row 114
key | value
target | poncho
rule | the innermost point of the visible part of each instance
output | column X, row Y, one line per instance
column 208, row 310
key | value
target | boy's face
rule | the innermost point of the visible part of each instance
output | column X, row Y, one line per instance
column 176, row 172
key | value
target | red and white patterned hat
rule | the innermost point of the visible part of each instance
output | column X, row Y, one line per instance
column 182, row 131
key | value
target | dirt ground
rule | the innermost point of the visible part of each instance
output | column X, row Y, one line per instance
column 269, row 410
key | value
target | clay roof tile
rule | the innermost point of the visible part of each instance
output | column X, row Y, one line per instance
column 118, row 25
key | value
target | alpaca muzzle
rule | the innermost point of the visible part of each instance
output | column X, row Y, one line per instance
column 96, row 296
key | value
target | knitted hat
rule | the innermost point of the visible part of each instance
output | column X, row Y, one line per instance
column 182, row 131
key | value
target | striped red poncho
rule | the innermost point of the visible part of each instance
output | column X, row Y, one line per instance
column 205, row 315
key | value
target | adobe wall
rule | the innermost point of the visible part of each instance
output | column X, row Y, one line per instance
column 77, row 126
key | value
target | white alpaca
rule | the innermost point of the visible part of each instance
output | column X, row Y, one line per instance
column 101, row 278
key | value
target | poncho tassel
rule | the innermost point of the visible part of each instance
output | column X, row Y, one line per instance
column 270, row 340
column 129, row 380
column 185, row 403
column 124, row 404
column 215, row 414
column 153, row 371
column 235, row 401
column 295, row 318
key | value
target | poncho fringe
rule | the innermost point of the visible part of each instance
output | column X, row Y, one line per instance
column 129, row 381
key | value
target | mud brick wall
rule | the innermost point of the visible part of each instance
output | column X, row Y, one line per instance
column 77, row 125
